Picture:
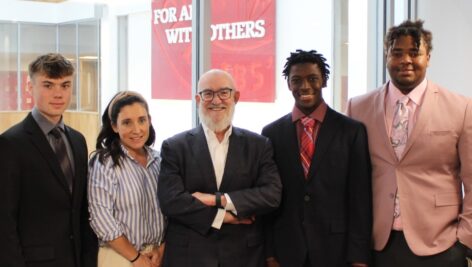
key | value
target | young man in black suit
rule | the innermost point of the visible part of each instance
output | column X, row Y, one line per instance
column 325, row 215
column 43, row 165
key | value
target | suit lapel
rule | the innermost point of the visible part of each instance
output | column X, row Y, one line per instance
column 201, row 154
column 234, row 156
column 78, row 154
column 327, row 131
column 426, row 109
column 39, row 140
column 379, row 119
column 292, row 146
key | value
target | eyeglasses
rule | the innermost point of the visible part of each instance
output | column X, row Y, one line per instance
column 208, row 95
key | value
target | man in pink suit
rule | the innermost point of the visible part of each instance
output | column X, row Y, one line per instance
column 420, row 143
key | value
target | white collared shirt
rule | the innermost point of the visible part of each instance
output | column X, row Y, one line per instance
column 219, row 152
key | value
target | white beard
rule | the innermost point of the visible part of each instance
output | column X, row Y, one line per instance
column 219, row 126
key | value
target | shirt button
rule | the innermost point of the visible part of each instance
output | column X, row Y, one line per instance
column 306, row 198
column 392, row 195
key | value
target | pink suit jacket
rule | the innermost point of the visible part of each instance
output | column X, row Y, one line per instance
column 436, row 159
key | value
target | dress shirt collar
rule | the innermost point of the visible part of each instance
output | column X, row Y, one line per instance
column 415, row 95
column 318, row 114
column 218, row 152
column 44, row 124
column 150, row 155
column 211, row 136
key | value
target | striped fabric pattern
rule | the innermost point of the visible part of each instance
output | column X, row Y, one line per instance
column 307, row 143
column 123, row 200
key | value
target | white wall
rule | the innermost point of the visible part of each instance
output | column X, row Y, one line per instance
column 451, row 26
column 357, row 78
column 38, row 12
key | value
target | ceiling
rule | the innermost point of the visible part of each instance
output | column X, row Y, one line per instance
column 108, row 2
column 47, row 1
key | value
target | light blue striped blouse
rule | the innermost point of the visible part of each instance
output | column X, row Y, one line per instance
column 123, row 200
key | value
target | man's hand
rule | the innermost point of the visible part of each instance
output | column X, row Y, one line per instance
column 209, row 199
column 358, row 264
column 206, row 199
column 272, row 262
column 231, row 219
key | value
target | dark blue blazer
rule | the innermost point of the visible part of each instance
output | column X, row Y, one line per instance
column 42, row 223
column 250, row 179
column 328, row 216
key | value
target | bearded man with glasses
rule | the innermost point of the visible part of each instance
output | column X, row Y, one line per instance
column 215, row 181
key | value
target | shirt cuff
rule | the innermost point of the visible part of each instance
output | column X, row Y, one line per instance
column 229, row 205
column 219, row 218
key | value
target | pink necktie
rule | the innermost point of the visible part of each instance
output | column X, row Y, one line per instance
column 307, row 144
column 398, row 139
column 399, row 133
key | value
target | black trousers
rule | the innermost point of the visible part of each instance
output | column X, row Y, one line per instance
column 307, row 262
column 397, row 254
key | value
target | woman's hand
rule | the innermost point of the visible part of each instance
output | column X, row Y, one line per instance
column 143, row 261
column 156, row 255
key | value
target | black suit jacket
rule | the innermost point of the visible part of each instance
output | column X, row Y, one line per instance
column 328, row 216
column 42, row 223
column 250, row 179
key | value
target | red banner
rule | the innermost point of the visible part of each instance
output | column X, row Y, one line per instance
column 9, row 91
column 242, row 43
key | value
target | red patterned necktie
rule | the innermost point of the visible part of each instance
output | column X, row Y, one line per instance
column 307, row 144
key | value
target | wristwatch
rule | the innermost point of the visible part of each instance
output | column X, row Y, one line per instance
column 218, row 200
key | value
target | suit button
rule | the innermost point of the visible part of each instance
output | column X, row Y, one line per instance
column 71, row 237
column 306, row 198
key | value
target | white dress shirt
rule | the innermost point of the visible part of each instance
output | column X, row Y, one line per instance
column 218, row 152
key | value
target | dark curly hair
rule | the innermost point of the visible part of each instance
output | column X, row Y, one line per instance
column 312, row 56
column 409, row 28
column 108, row 142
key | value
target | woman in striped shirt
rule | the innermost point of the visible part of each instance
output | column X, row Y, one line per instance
column 122, row 188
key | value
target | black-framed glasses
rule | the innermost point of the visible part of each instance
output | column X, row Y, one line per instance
column 208, row 95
